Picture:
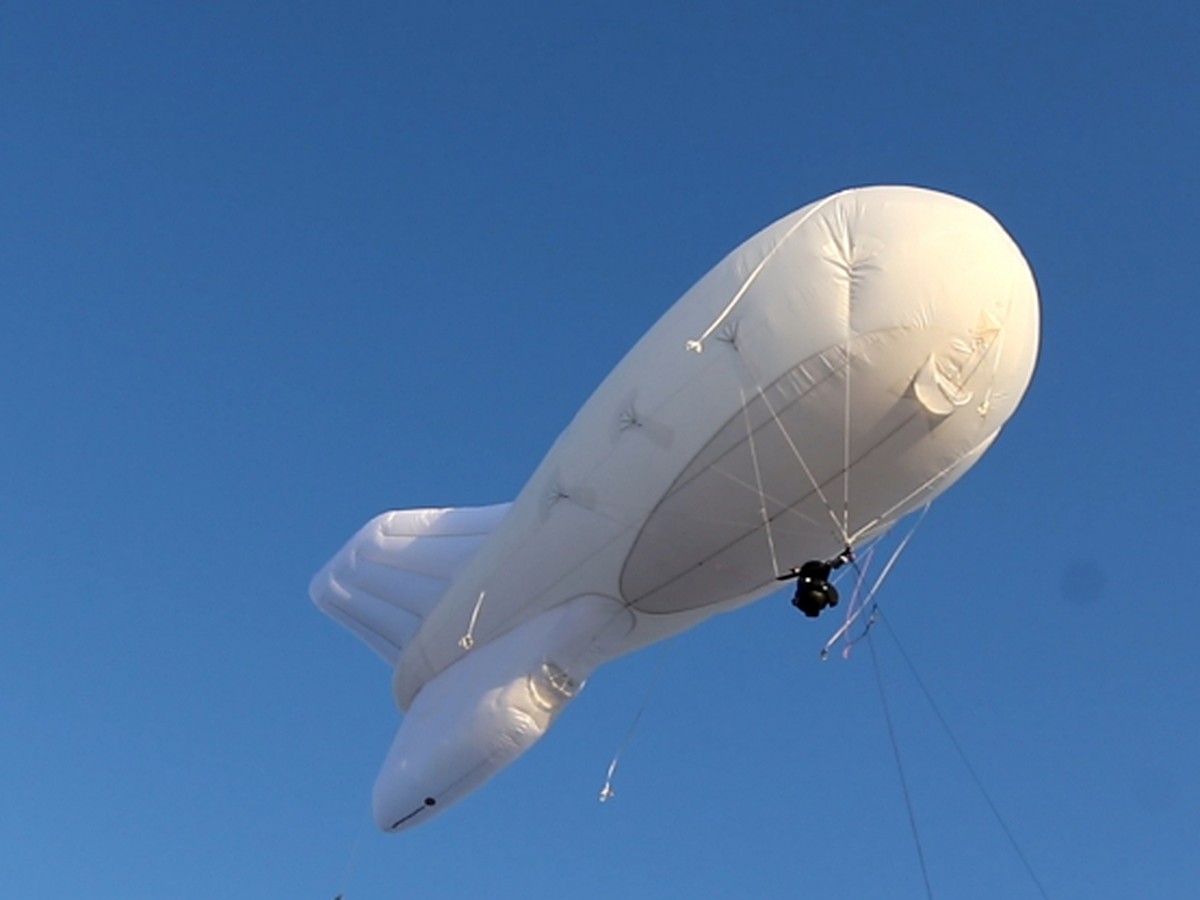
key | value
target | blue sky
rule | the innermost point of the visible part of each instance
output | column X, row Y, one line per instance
column 268, row 269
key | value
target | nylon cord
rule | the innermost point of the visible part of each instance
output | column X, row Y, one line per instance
column 887, row 716
column 351, row 863
column 696, row 345
column 962, row 755
column 607, row 792
column 467, row 641
column 762, row 497
column 856, row 607
column 804, row 465
column 846, row 435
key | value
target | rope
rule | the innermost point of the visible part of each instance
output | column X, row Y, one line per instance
column 841, row 532
column 846, row 435
column 607, row 792
column 741, row 482
column 962, row 755
column 912, row 819
column 762, row 497
column 467, row 641
column 926, row 485
column 855, row 608
column 348, row 871
column 697, row 345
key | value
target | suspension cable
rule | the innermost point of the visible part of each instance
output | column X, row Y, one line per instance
column 962, row 755
column 912, row 819
column 762, row 497
column 812, row 479
column 858, row 603
column 846, row 436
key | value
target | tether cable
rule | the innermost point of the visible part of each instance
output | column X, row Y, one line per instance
column 887, row 717
column 962, row 755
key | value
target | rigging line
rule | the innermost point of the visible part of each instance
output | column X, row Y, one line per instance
column 856, row 606
column 803, row 465
column 696, row 345
column 612, row 511
column 351, row 863
column 924, row 486
column 498, row 752
column 870, row 598
column 467, row 641
column 871, row 525
column 962, row 755
column 846, row 430
column 762, row 498
column 887, row 716
column 607, row 792
column 999, row 338
column 709, row 517
column 536, row 594
column 784, row 507
column 776, row 418
column 984, row 406
column 976, row 359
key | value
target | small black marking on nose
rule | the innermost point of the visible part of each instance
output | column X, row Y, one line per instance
column 429, row 801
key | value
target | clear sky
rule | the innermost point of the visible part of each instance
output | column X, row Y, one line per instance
column 267, row 269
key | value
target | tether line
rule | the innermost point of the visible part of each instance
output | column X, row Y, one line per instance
column 887, row 717
column 962, row 755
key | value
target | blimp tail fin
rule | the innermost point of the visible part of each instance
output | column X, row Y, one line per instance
column 387, row 578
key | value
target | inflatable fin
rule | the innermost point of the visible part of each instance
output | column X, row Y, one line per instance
column 387, row 578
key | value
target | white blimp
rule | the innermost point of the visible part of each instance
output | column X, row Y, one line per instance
column 836, row 372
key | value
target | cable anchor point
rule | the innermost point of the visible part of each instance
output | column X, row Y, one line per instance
column 467, row 641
